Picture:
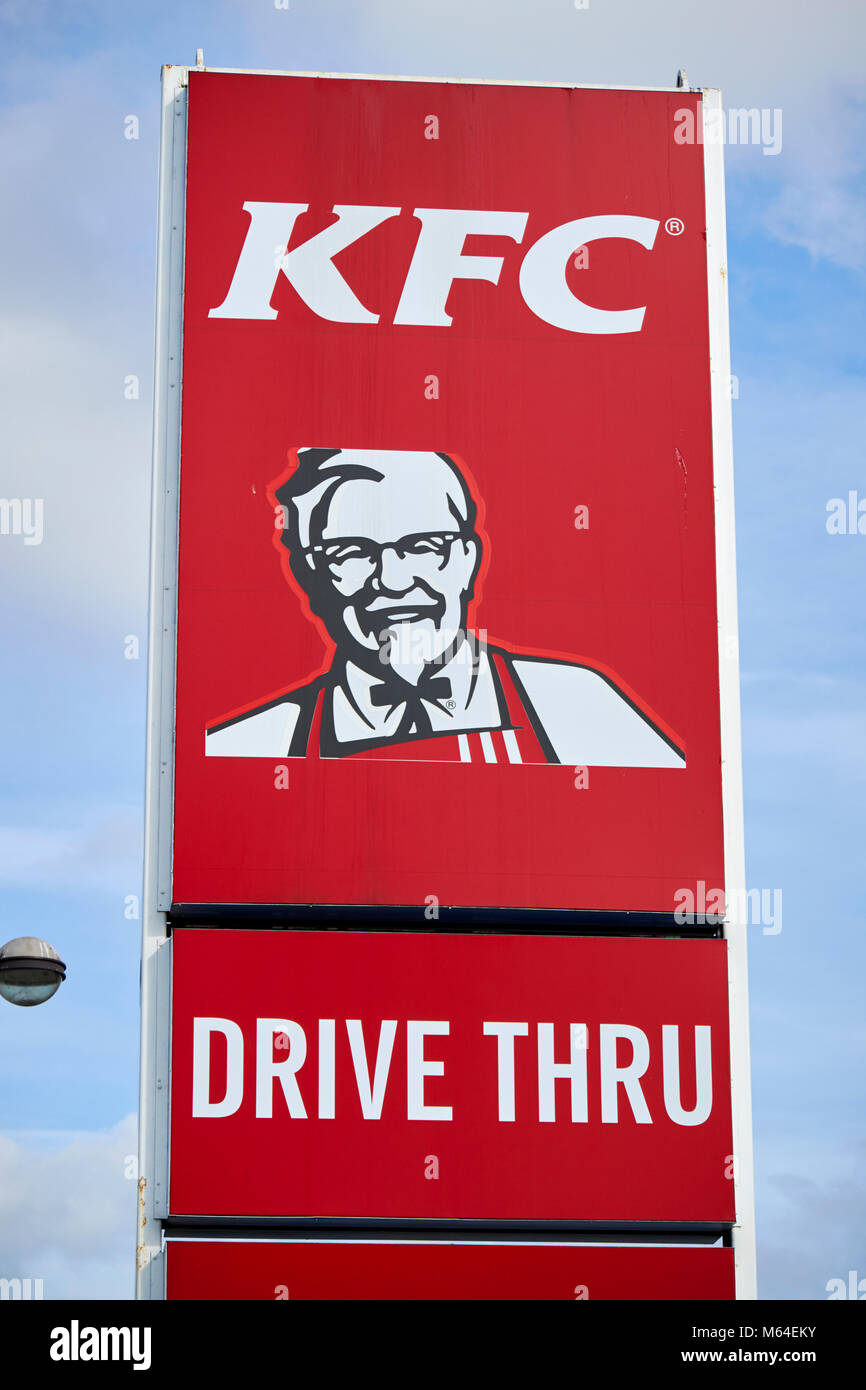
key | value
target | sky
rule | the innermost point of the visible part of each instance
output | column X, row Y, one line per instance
column 77, row 241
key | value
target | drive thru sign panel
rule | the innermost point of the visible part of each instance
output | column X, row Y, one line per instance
column 401, row 1075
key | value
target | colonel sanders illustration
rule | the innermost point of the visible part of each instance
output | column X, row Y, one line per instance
column 384, row 545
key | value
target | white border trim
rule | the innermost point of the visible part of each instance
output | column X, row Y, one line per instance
column 447, row 81
column 153, row 1112
column 735, row 930
column 411, row 1239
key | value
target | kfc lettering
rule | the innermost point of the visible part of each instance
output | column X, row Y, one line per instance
column 438, row 260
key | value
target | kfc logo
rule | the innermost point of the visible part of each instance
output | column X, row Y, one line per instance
column 386, row 548
column 438, row 260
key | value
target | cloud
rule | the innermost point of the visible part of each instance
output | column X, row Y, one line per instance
column 821, row 206
column 79, row 230
column 824, row 217
column 71, row 439
column 811, row 1228
column 68, row 1213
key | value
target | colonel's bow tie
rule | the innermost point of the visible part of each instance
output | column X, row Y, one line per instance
column 437, row 688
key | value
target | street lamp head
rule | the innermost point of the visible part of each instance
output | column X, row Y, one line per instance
column 30, row 971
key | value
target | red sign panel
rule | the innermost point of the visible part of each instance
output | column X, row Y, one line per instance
column 444, row 1077
column 313, row 1269
column 446, row 591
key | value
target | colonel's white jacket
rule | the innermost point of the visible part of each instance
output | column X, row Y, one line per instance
column 486, row 704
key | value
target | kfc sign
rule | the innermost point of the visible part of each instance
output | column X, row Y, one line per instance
column 438, row 261
column 467, row 1076
column 447, row 625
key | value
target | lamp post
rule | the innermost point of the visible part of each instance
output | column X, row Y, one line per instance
column 30, row 971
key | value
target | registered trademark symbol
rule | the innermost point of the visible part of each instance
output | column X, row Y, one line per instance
column 675, row 226
column 450, row 704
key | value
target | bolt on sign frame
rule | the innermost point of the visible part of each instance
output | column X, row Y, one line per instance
column 181, row 889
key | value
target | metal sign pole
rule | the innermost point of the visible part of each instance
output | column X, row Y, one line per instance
column 155, row 947
column 729, row 687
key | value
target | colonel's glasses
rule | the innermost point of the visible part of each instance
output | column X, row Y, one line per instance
column 333, row 555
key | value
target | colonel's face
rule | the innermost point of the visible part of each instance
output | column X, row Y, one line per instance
column 396, row 561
